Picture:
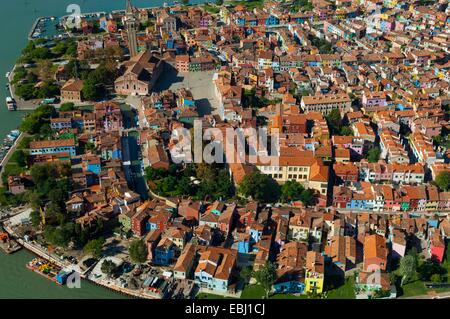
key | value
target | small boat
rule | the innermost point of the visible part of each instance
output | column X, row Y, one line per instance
column 11, row 103
column 8, row 74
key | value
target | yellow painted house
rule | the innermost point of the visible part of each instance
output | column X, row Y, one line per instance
column 315, row 273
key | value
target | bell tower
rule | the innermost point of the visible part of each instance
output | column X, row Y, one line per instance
column 131, row 27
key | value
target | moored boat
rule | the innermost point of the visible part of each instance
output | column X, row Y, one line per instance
column 10, row 103
column 44, row 268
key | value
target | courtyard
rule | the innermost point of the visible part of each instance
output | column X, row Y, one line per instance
column 199, row 83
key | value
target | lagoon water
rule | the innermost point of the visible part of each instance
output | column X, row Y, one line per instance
column 16, row 19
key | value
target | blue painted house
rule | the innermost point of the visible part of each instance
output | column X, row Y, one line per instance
column 164, row 252
column 244, row 244
column 289, row 283
column 272, row 20
column 94, row 165
column 240, row 21
column 53, row 147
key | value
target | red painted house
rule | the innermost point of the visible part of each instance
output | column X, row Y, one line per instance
column 226, row 219
column 138, row 222
column 341, row 196
column 346, row 172
column 437, row 248
column 152, row 239
column 159, row 220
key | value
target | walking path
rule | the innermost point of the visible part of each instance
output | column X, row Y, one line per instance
column 443, row 295
column 8, row 156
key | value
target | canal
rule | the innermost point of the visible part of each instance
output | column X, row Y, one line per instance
column 16, row 19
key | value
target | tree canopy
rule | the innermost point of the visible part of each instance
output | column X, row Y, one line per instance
column 138, row 251
column 95, row 247
column 373, row 155
column 443, row 180
column 260, row 187
column 35, row 120
column 408, row 268
column 68, row 106
column 294, row 191
column 265, row 276
column 108, row 267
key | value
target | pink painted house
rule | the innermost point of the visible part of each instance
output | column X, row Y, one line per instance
column 373, row 100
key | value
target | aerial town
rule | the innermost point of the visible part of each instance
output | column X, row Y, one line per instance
column 354, row 202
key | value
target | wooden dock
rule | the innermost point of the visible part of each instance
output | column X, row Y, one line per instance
column 10, row 246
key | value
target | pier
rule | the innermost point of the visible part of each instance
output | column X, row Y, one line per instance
column 7, row 244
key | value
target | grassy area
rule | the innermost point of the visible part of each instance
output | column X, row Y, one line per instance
column 339, row 288
column 249, row 4
column 211, row 9
column 252, row 292
column 414, row 288
column 417, row 287
column 203, row 295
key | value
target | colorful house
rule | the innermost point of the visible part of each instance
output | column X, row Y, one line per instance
column 375, row 253
column 164, row 252
column 315, row 272
column 437, row 248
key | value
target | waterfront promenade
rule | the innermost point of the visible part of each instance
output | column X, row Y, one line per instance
column 9, row 154
column 45, row 254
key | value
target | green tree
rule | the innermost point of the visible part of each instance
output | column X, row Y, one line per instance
column 138, row 251
column 307, row 197
column 94, row 247
column 265, row 276
column 429, row 268
column 91, row 90
column 291, row 191
column 346, row 131
column 334, row 118
column 408, row 267
column 153, row 174
column 25, row 91
column 219, row 2
column 60, row 235
column 443, row 180
column 20, row 157
column 436, row 278
column 373, row 155
column 35, row 218
column 34, row 121
column 246, row 273
column 260, row 187
column 68, row 106
column 108, row 267
column 89, row 146
column 185, row 2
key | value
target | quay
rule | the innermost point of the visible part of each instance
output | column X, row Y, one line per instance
column 33, row 28
column 48, row 257
column 9, row 154
column 9, row 246
column 21, row 105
